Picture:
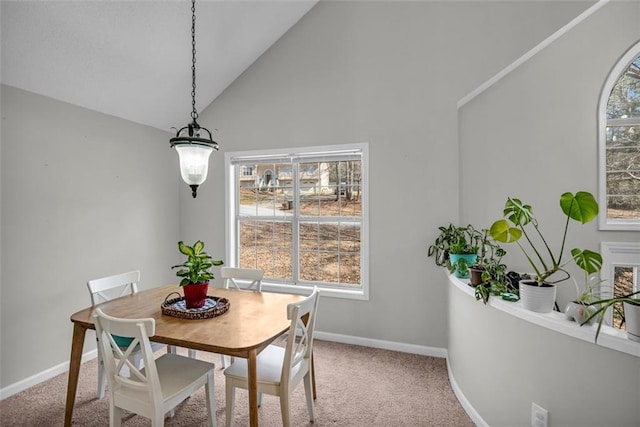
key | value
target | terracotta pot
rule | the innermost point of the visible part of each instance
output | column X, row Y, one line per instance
column 475, row 276
column 195, row 294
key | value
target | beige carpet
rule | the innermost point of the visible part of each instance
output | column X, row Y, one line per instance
column 357, row 386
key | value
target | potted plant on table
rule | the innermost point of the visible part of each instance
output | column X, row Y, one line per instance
column 195, row 273
column 456, row 248
column 539, row 294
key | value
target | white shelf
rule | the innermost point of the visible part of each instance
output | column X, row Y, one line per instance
column 609, row 337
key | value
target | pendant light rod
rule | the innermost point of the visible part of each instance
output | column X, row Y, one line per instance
column 193, row 143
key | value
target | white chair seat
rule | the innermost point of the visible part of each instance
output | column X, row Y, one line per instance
column 270, row 362
column 175, row 375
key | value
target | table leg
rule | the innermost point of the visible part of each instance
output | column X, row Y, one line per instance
column 74, row 370
column 252, row 365
column 313, row 377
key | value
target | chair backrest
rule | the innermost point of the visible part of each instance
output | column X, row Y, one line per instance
column 252, row 275
column 137, row 381
column 300, row 337
column 107, row 288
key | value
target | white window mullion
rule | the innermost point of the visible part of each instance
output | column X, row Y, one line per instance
column 295, row 226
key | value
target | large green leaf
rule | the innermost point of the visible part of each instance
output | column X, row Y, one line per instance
column 198, row 247
column 184, row 249
column 587, row 260
column 517, row 212
column 582, row 207
column 502, row 232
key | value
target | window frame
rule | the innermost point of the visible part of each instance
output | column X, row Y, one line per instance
column 617, row 254
column 604, row 222
column 232, row 230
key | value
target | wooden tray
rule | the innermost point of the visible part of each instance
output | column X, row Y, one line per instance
column 176, row 307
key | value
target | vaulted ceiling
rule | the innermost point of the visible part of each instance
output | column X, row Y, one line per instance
column 132, row 59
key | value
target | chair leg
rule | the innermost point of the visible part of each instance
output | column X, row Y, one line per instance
column 115, row 416
column 284, row 407
column 223, row 361
column 308, row 391
column 192, row 353
column 230, row 398
column 102, row 377
column 158, row 419
column 211, row 401
column 172, row 349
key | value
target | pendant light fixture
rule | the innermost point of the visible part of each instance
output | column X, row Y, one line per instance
column 193, row 143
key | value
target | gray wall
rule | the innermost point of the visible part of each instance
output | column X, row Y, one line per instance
column 503, row 364
column 389, row 73
column 84, row 195
column 533, row 135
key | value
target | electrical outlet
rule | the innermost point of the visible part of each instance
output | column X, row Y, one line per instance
column 539, row 416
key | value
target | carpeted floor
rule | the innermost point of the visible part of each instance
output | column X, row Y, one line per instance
column 357, row 386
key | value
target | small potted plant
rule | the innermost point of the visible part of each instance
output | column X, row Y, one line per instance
column 456, row 248
column 630, row 313
column 488, row 265
column 195, row 273
column 539, row 295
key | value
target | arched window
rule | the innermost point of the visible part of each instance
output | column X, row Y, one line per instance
column 619, row 145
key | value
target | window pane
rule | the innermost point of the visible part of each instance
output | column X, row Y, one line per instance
column 267, row 192
column 623, row 285
column 330, row 252
column 267, row 245
column 623, row 172
column 624, row 101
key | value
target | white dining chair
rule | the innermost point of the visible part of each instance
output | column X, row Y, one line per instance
column 105, row 289
column 161, row 385
column 252, row 276
column 231, row 276
column 280, row 369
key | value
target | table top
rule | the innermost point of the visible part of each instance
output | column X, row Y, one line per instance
column 253, row 321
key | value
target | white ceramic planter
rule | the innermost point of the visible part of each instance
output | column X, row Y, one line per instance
column 632, row 320
column 540, row 299
column 579, row 312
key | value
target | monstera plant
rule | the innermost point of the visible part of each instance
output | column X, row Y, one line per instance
column 520, row 226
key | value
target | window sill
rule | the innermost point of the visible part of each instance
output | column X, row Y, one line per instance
column 356, row 294
column 611, row 338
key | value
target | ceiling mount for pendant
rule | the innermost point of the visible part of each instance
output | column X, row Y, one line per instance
column 193, row 143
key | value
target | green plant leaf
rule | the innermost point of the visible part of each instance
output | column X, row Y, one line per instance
column 184, row 249
column 517, row 212
column 198, row 247
column 582, row 207
column 502, row 232
column 587, row 260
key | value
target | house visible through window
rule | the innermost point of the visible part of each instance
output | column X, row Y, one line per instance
column 619, row 142
column 301, row 216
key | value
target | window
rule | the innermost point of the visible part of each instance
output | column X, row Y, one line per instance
column 619, row 274
column 303, row 220
column 619, row 145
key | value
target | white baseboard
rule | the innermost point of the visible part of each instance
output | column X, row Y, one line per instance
column 45, row 375
column 468, row 408
column 327, row 336
column 385, row 345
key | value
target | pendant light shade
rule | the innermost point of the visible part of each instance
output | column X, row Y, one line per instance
column 192, row 142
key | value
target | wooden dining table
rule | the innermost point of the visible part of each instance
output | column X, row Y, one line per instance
column 252, row 322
